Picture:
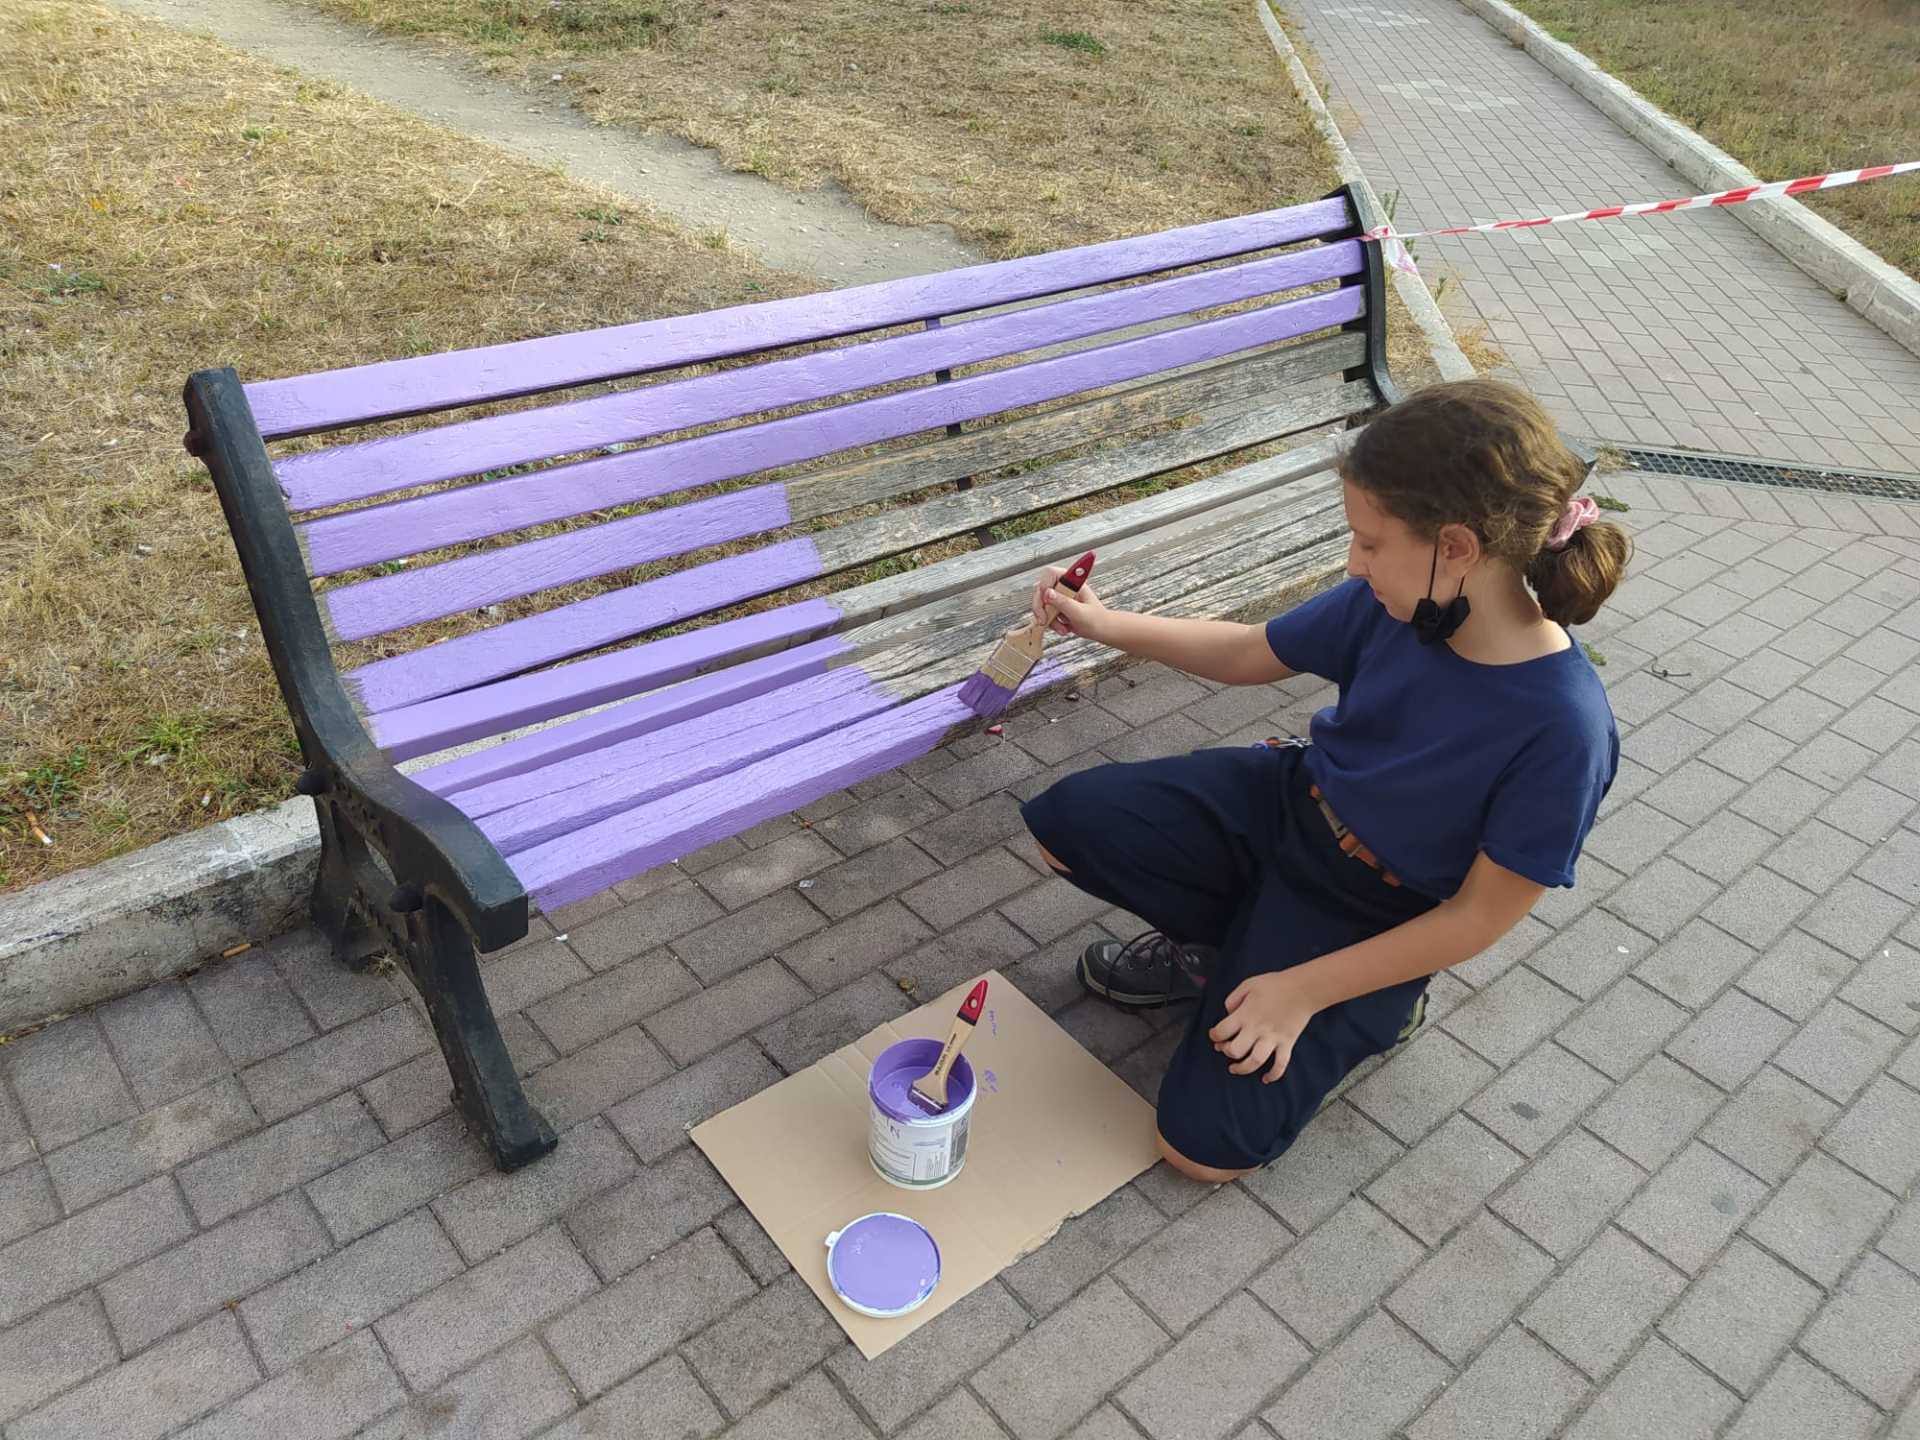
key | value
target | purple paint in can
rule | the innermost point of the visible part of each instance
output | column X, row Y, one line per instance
column 883, row 1264
column 909, row 1147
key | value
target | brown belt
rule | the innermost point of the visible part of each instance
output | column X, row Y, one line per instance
column 1350, row 842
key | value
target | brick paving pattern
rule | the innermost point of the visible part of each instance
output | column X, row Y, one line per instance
column 1650, row 1167
column 1684, row 330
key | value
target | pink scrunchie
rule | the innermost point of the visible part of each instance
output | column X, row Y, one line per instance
column 1580, row 513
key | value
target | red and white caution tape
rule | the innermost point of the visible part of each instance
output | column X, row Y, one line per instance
column 1395, row 251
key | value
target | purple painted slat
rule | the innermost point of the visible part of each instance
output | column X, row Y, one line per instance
column 583, row 554
column 333, row 398
column 661, row 764
column 529, row 699
column 584, row 625
column 393, row 602
column 472, row 447
column 628, row 844
column 659, row 741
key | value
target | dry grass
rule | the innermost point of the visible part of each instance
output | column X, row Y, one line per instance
column 1791, row 87
column 1024, row 124
column 168, row 204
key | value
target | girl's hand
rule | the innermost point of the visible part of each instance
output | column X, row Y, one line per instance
column 1265, row 1016
column 1075, row 614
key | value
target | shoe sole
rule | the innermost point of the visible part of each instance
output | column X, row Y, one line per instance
column 1121, row 997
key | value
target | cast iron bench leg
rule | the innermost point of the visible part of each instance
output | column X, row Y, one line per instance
column 363, row 914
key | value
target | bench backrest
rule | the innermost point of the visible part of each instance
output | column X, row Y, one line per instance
column 460, row 563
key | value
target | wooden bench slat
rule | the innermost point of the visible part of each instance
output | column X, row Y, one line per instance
column 641, row 770
column 506, row 705
column 335, row 398
column 391, row 531
column 631, row 841
column 528, row 808
column 396, row 601
column 496, row 442
column 420, row 728
column 393, row 602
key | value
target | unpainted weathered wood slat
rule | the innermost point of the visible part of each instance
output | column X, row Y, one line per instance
column 444, row 718
column 395, row 602
column 399, row 529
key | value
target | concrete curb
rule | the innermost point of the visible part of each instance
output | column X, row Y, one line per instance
column 1886, row 297
column 113, row 928
column 1412, row 290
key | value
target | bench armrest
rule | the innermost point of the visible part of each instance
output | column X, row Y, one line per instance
column 431, row 847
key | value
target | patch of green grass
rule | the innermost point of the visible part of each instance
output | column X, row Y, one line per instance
column 46, row 788
column 1607, row 502
column 166, row 737
column 72, row 282
column 1078, row 40
column 1592, row 654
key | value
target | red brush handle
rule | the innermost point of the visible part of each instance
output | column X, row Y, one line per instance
column 975, row 1002
column 1078, row 572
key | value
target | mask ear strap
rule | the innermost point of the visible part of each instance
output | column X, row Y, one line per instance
column 1433, row 569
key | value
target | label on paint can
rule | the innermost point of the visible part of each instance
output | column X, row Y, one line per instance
column 903, row 1156
column 910, row 1147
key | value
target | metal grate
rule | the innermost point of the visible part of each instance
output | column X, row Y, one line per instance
column 1762, row 472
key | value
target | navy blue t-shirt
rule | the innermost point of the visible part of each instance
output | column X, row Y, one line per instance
column 1430, row 758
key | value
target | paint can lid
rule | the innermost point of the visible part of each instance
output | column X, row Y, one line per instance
column 883, row 1264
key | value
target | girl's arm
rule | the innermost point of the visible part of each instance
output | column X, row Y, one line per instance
column 1266, row 1013
column 1220, row 650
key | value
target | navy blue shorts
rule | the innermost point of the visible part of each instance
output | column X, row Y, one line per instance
column 1227, row 848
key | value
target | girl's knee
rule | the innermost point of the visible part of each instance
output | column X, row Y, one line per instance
column 1193, row 1169
column 1053, row 861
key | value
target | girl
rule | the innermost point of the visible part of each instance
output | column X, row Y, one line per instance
column 1305, row 891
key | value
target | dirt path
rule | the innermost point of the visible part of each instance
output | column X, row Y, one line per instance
column 822, row 233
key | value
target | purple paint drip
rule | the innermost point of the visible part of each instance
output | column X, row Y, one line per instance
column 993, row 1081
column 518, row 645
column 884, row 1263
column 432, row 382
column 472, row 447
column 393, row 602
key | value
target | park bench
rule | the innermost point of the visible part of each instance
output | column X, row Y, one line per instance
column 661, row 602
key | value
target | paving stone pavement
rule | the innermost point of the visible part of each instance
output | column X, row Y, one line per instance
column 1649, row 1169
column 1683, row 330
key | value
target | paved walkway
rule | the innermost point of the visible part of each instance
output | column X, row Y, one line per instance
column 1687, row 330
column 1650, row 1170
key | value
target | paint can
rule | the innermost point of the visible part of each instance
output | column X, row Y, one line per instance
column 883, row 1265
column 909, row 1147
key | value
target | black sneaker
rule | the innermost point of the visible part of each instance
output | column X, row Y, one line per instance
column 1147, row 972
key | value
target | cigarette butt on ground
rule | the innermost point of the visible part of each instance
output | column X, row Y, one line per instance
column 33, row 824
column 233, row 950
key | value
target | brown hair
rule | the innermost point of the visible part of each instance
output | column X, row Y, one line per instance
column 1488, row 456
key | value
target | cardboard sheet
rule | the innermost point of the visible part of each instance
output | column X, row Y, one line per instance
column 1054, row 1132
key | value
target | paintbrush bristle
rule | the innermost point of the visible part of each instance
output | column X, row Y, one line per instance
column 923, row 1096
column 992, row 687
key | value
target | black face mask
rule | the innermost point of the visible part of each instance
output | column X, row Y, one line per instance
column 1431, row 623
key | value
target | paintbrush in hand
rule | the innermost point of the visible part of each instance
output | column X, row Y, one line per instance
column 991, row 689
